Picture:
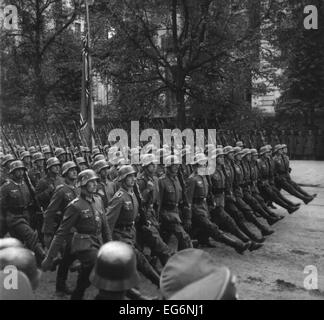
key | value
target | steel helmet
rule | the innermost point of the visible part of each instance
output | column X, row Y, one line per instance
column 217, row 153
column 264, row 150
column 24, row 260
column 10, row 242
column 95, row 152
column 52, row 162
column 228, row 149
column 85, row 176
column 254, row 152
column 240, row 144
column 25, row 154
column 17, row 164
column 125, row 171
column 200, row 159
column 7, row 158
column 46, row 149
column 115, row 268
column 100, row 165
column 99, row 157
column 245, row 152
column 81, row 160
column 32, row 149
column 170, row 160
column 277, row 148
column 238, row 151
column 38, row 156
column 122, row 162
column 148, row 159
column 59, row 152
column 68, row 166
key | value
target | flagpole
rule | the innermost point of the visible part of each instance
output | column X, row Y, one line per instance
column 91, row 122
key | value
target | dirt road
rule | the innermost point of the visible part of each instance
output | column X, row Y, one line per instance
column 277, row 270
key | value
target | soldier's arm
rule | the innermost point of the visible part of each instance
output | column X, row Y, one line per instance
column 51, row 212
column 105, row 229
column 70, row 218
column 190, row 189
column 114, row 211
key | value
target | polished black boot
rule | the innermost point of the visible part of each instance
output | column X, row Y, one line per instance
column 238, row 245
column 255, row 246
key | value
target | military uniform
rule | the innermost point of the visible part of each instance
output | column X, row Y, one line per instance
column 170, row 200
column 86, row 216
column 16, row 205
column 36, row 175
column 46, row 187
column 150, row 230
column 106, row 190
column 238, row 182
column 121, row 214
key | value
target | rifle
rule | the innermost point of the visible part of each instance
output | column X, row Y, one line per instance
column 22, row 139
column 49, row 140
column 141, row 207
column 70, row 145
column 37, row 140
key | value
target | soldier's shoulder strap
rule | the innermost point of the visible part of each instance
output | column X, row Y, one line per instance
column 59, row 187
column 73, row 203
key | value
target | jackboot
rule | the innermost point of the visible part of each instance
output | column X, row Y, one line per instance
column 238, row 245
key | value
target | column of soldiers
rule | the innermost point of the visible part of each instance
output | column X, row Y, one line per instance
column 65, row 210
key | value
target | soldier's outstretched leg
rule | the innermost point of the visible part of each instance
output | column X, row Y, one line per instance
column 248, row 214
column 268, row 193
column 146, row 268
column 262, row 203
column 284, row 184
column 300, row 189
column 210, row 228
column 254, row 204
column 226, row 223
column 151, row 237
column 240, row 220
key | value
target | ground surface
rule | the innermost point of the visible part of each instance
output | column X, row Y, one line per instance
column 277, row 270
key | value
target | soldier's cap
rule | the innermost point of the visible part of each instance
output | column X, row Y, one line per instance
column 52, row 162
column 246, row 152
column 68, row 166
column 238, row 151
column 185, row 268
column 277, row 148
column 24, row 260
column 7, row 158
column 115, row 268
column 25, row 154
column 100, row 165
column 239, row 144
column 99, row 157
column 219, row 285
column 125, row 171
column 81, row 160
column 200, row 159
column 17, row 164
column 23, row 291
column 264, row 150
column 148, row 159
column 217, row 153
column 228, row 149
column 254, row 152
column 38, row 156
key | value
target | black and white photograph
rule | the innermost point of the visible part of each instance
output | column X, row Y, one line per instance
column 157, row 150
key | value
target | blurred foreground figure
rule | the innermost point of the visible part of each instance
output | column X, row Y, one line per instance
column 192, row 274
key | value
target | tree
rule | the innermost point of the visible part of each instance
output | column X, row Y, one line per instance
column 42, row 60
column 204, row 59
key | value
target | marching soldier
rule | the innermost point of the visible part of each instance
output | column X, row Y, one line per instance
column 86, row 216
column 61, row 155
column 47, row 185
column 197, row 191
column 26, row 159
column 283, row 179
column 16, row 203
column 38, row 170
column 82, row 163
column 268, row 191
column 122, row 215
column 106, row 187
column 149, row 229
column 5, row 164
column 218, row 214
column 170, row 200
column 63, row 195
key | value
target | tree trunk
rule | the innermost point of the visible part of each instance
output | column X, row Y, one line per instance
column 181, row 109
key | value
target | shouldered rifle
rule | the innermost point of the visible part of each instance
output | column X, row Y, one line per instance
column 50, row 140
column 37, row 140
column 141, row 207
